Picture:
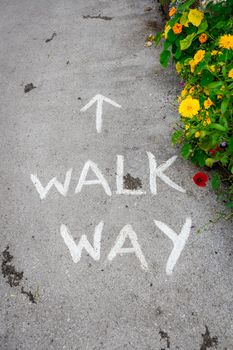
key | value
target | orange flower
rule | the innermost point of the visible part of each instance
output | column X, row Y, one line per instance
column 177, row 28
column 172, row 11
column 203, row 38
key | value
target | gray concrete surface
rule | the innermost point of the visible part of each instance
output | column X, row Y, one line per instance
column 95, row 305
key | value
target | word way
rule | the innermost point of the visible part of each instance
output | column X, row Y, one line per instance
column 155, row 171
column 127, row 232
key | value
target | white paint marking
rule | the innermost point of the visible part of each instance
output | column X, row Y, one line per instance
column 100, row 181
column 178, row 241
column 76, row 250
column 128, row 232
column 158, row 171
column 99, row 99
column 43, row 191
column 120, row 179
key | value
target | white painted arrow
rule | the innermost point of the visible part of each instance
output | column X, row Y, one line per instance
column 99, row 99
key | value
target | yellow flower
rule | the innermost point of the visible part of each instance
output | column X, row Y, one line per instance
column 189, row 107
column 203, row 38
column 208, row 103
column 192, row 65
column 199, row 55
column 197, row 134
column 208, row 120
column 177, row 28
column 195, row 17
column 214, row 52
column 226, row 41
column 212, row 68
column 183, row 92
column 187, row 127
column 172, row 11
column 178, row 67
column 191, row 90
column 230, row 74
column 219, row 97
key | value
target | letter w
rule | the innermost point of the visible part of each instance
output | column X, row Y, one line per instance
column 43, row 191
column 76, row 250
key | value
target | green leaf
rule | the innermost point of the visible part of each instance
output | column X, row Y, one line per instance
column 186, row 42
column 176, row 136
column 166, row 44
column 224, row 105
column 158, row 38
column 206, row 78
column 206, row 143
column 218, row 127
column 215, row 85
column 186, row 150
column 171, row 36
column 164, row 57
column 184, row 18
column 199, row 158
column 230, row 144
column 177, row 53
column 215, row 181
column 174, row 19
column 202, row 27
column 221, row 24
column 185, row 6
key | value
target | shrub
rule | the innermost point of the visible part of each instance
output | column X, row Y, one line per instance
column 200, row 42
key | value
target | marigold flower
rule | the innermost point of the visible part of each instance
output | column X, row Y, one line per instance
column 199, row 55
column 177, row 28
column 191, row 90
column 208, row 103
column 214, row 52
column 203, row 38
column 208, row 120
column 212, row 68
column 197, row 134
column 226, row 41
column 200, row 179
column 183, row 92
column 195, row 17
column 189, row 107
column 172, row 11
column 230, row 74
column 192, row 65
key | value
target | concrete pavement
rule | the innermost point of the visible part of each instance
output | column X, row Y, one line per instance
column 142, row 278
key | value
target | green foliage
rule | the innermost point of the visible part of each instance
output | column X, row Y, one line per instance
column 200, row 42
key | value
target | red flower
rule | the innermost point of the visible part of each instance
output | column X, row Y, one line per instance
column 200, row 179
column 213, row 152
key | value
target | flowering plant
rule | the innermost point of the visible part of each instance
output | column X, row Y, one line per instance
column 200, row 42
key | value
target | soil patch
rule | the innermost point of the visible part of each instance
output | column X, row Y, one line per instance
column 208, row 341
column 29, row 294
column 132, row 183
column 13, row 277
column 105, row 18
column 51, row 38
column 29, row 87
column 165, row 336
